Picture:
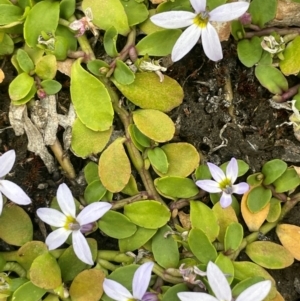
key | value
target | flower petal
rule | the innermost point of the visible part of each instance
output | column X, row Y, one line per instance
column 52, row 217
column 256, row 292
column 7, row 161
column 185, row 296
column 141, row 280
column 232, row 170
column 13, row 192
column 65, row 200
column 198, row 5
column 173, row 19
column 211, row 43
column 186, row 42
column 240, row 188
column 216, row 172
column 57, row 238
column 1, row 203
column 92, row 212
column 116, row 291
column 218, row 282
column 225, row 200
column 229, row 11
column 209, row 186
column 81, row 247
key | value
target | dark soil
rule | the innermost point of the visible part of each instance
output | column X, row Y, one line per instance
column 247, row 126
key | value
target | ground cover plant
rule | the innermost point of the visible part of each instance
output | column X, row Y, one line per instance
column 133, row 211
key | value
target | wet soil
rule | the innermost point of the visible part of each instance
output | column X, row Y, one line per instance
column 225, row 113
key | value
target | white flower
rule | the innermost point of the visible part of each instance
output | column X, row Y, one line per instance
column 222, row 290
column 140, row 285
column 68, row 223
column 11, row 190
column 223, row 183
column 199, row 25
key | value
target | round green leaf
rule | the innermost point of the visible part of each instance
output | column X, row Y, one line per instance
column 107, row 14
column 291, row 63
column 123, row 73
column 289, row 180
column 109, row 41
column 94, row 192
column 274, row 211
column 15, row 225
column 158, row 159
column 148, row 92
column 51, row 87
column 203, row 218
column 154, row 124
column 250, row 51
column 182, row 152
column 269, row 255
column 95, row 65
column 28, row 292
column 114, row 167
column 136, row 11
column 87, row 286
column 45, row 272
column 116, row 225
column 46, row 67
column 28, row 97
column 6, row 45
column 43, row 16
column 201, row 247
column 20, row 86
column 67, row 8
column 10, row 13
column 137, row 240
column 176, row 187
column 138, row 138
column 233, row 236
column 92, row 104
column 171, row 293
column 24, row 60
column 131, row 187
column 262, row 12
column 91, row 172
column 148, row 214
column 258, row 198
column 159, row 43
column 272, row 170
column 82, row 136
column 165, row 248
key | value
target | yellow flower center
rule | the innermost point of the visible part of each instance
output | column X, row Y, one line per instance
column 71, row 224
column 201, row 19
column 226, row 186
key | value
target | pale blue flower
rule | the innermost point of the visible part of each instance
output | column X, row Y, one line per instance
column 223, row 183
column 68, row 223
column 11, row 190
column 222, row 291
column 140, row 283
column 198, row 24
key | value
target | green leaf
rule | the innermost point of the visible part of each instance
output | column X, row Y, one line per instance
column 250, row 51
column 226, row 266
column 201, row 247
column 271, row 78
column 25, row 62
column 262, row 11
column 165, row 248
column 15, row 225
column 274, row 211
column 289, row 180
column 51, row 87
column 9, row 14
column 136, row 12
column 43, row 16
column 95, row 65
column 176, row 187
column 46, row 67
column 107, row 14
column 94, row 192
column 243, row 285
column 148, row 214
column 91, row 172
column 114, row 167
column 110, row 40
column 258, row 198
column 131, row 187
column 45, row 272
column 116, row 225
column 154, row 124
column 182, row 152
column 138, row 138
column 28, row 292
column 28, row 97
column 20, row 86
column 137, row 240
column 159, row 43
column 291, row 62
column 203, row 218
column 82, row 137
column 92, row 104
column 148, row 92
column 272, row 170
column 67, row 8
column 171, row 293
column 233, row 236
column 123, row 74
column 269, row 255
column 6, row 45
column 158, row 159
